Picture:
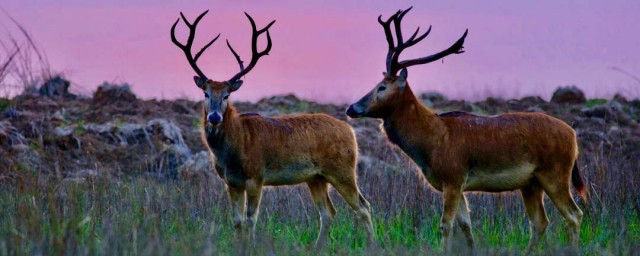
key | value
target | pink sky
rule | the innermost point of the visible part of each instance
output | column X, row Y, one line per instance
column 333, row 51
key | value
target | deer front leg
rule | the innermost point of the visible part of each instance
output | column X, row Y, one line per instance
column 452, row 197
column 254, row 196
column 237, row 199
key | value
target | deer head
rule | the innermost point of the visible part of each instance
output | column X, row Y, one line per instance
column 384, row 98
column 216, row 93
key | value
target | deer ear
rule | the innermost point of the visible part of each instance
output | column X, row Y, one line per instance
column 235, row 85
column 403, row 74
column 402, row 78
column 200, row 81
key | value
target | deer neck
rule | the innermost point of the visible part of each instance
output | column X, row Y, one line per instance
column 414, row 128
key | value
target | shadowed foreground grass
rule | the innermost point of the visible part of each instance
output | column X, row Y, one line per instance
column 143, row 215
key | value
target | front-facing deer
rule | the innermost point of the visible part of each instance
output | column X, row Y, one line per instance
column 251, row 151
column 459, row 152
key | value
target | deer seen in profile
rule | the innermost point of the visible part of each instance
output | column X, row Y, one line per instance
column 458, row 152
column 251, row 151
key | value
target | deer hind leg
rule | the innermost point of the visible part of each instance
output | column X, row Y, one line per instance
column 452, row 197
column 533, row 197
column 254, row 196
column 464, row 222
column 320, row 195
column 559, row 191
column 349, row 191
column 237, row 200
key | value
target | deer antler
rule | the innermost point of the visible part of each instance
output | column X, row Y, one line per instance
column 393, row 66
column 255, row 55
column 186, row 48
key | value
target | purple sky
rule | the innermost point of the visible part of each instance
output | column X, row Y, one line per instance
column 334, row 51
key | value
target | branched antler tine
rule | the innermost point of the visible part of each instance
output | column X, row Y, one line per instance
column 401, row 15
column 173, row 35
column 412, row 41
column 253, row 23
column 195, row 22
column 235, row 54
column 398, row 25
column 269, row 45
column 267, row 27
column 186, row 48
column 459, row 45
column 255, row 54
column 185, row 20
column 412, row 37
column 456, row 48
column 205, row 47
column 387, row 32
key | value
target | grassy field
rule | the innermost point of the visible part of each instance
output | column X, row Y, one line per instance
column 143, row 215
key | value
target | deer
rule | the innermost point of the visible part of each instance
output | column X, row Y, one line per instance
column 251, row 151
column 461, row 152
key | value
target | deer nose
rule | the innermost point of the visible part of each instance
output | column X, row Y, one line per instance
column 353, row 112
column 214, row 118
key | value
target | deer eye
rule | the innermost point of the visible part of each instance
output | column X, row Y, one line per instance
column 381, row 88
column 206, row 95
column 226, row 97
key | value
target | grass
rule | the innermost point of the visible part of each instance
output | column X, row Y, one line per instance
column 595, row 102
column 125, row 212
column 4, row 104
column 138, row 215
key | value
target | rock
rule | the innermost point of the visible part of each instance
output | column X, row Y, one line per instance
column 459, row 105
column 20, row 157
column 167, row 162
column 56, row 86
column 288, row 100
column 616, row 132
column 610, row 112
column 65, row 139
column 492, row 105
column 9, row 135
column 197, row 164
column 532, row 100
column 534, row 109
column 568, row 95
column 435, row 98
column 130, row 134
column 621, row 99
column 66, row 131
column 58, row 115
column 155, row 132
column 170, row 132
column 109, row 93
column 590, row 123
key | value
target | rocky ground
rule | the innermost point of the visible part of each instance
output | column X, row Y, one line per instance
column 53, row 132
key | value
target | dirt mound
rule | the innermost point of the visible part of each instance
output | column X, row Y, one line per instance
column 116, row 133
column 108, row 93
column 56, row 86
column 568, row 95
